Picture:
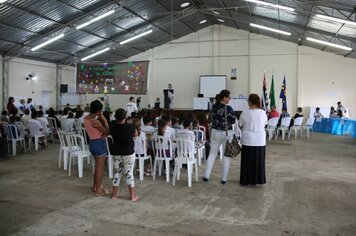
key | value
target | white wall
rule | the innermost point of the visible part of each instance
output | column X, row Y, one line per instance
column 314, row 78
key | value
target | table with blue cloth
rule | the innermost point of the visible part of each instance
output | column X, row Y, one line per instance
column 335, row 126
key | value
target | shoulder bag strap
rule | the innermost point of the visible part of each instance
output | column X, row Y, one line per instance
column 226, row 123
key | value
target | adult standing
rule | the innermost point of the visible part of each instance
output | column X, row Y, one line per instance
column 11, row 108
column 124, row 154
column 97, row 129
column 341, row 111
column 253, row 139
column 29, row 105
column 222, row 117
column 131, row 107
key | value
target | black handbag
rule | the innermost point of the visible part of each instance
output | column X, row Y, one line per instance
column 233, row 148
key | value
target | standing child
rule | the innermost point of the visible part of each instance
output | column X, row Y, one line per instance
column 97, row 129
column 124, row 153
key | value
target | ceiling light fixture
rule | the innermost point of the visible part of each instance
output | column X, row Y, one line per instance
column 47, row 42
column 95, row 19
column 184, row 4
column 95, row 54
column 216, row 12
column 202, row 21
column 271, row 5
column 270, row 29
column 136, row 37
column 221, row 20
column 347, row 22
column 29, row 77
column 329, row 44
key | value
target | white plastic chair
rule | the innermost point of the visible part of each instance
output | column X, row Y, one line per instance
column 53, row 128
column 63, row 149
column 185, row 155
column 141, row 154
column 110, row 157
column 284, row 128
column 308, row 126
column 77, row 150
column 35, row 134
column 296, row 126
column 78, row 124
column 67, row 125
column 161, row 146
column 13, row 136
column 271, row 127
column 200, row 145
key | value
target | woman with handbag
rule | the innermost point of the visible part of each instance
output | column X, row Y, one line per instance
column 222, row 120
column 252, row 123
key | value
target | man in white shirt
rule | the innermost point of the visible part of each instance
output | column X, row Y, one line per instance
column 131, row 107
column 341, row 111
column 317, row 113
column 147, row 125
column 186, row 132
column 170, row 132
column 38, row 130
column 44, row 122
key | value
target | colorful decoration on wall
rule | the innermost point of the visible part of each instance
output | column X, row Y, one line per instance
column 109, row 78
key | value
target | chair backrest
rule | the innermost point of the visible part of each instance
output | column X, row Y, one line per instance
column 285, row 122
column 187, row 136
column 52, row 122
column 310, row 121
column 78, row 123
column 202, row 128
column 163, row 147
column 67, row 125
column 185, row 148
column 62, row 138
column 140, row 146
column 83, row 133
column 199, row 135
column 272, row 123
column 11, row 131
column 298, row 121
column 75, row 142
column 107, row 140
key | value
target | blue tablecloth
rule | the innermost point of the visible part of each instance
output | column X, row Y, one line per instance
column 336, row 126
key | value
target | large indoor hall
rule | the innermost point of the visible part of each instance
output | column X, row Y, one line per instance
column 177, row 117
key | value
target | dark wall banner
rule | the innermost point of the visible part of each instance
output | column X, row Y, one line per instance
column 112, row 78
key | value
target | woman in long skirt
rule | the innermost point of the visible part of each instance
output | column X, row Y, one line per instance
column 252, row 123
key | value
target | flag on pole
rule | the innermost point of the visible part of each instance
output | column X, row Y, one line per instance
column 283, row 94
column 272, row 97
column 265, row 95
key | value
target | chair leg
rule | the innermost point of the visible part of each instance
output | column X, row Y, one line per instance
column 59, row 157
column 175, row 174
column 154, row 170
column 65, row 159
column 36, row 143
column 141, row 165
column 70, row 166
column 189, row 167
column 110, row 167
column 14, row 147
column 196, row 172
column 80, row 166
column 167, row 171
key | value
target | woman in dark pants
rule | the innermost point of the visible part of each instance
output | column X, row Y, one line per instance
column 252, row 123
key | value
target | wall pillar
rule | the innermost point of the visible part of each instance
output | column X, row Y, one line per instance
column 58, row 86
column 5, row 80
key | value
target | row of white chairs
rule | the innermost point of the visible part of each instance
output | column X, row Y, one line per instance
column 284, row 128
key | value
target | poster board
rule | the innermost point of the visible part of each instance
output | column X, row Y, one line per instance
column 210, row 85
column 112, row 78
column 72, row 98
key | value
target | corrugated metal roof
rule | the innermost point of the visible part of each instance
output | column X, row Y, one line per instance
column 33, row 22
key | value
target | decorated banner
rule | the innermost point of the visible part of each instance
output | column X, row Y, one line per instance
column 112, row 78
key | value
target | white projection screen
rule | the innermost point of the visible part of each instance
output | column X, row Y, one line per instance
column 210, row 85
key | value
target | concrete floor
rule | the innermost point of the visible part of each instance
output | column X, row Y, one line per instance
column 311, row 190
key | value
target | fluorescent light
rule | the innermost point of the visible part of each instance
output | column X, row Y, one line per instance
column 336, row 19
column 270, row 29
column 184, row 4
column 96, row 19
column 271, row 5
column 48, row 42
column 202, row 21
column 329, row 44
column 216, row 12
column 221, row 20
column 2, row 1
column 136, row 37
column 95, row 54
